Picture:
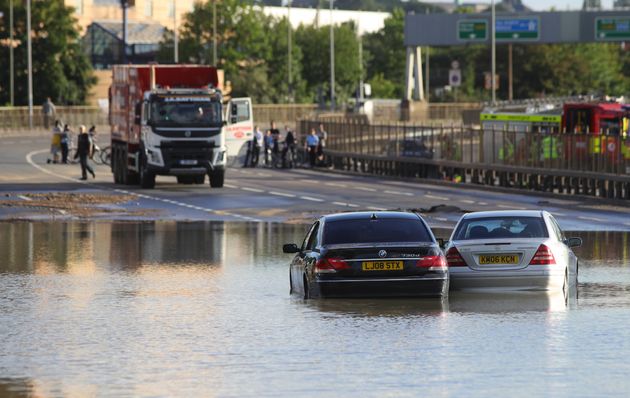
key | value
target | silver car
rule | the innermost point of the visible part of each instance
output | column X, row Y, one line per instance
column 515, row 250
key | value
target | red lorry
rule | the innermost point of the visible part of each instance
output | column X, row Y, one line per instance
column 169, row 120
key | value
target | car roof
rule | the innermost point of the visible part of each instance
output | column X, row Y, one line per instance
column 504, row 213
column 359, row 215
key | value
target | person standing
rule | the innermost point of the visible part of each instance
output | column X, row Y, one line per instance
column 256, row 144
column 289, row 148
column 65, row 143
column 55, row 142
column 312, row 143
column 49, row 111
column 323, row 136
column 84, row 150
column 267, row 146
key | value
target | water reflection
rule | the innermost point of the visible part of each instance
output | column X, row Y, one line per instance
column 394, row 307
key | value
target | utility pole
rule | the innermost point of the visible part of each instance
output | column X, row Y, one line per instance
column 289, row 66
column 494, row 56
column 11, row 62
column 30, row 63
column 332, row 59
column 124, row 4
column 175, row 38
column 214, row 32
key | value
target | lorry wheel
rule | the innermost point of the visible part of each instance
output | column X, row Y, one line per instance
column 147, row 178
column 115, row 166
column 200, row 179
column 216, row 178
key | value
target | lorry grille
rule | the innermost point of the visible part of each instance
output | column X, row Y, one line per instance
column 176, row 152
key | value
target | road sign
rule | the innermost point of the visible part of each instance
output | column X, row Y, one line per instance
column 472, row 30
column 519, row 29
column 612, row 28
column 455, row 77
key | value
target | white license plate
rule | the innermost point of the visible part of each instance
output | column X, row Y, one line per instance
column 187, row 162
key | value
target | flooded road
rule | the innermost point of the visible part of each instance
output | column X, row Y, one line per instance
column 202, row 309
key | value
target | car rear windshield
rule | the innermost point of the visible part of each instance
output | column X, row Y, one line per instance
column 372, row 231
column 501, row 227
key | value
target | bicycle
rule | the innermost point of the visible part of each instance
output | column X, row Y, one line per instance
column 105, row 155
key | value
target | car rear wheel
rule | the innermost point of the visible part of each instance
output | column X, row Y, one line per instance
column 306, row 292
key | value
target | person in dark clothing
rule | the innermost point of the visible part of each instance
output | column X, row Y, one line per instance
column 248, row 153
column 84, row 150
column 288, row 152
column 65, row 143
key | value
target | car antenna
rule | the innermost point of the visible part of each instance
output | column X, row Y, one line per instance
column 373, row 217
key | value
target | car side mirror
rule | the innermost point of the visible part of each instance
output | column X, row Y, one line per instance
column 290, row 248
column 574, row 242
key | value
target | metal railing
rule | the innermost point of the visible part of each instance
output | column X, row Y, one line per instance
column 602, row 153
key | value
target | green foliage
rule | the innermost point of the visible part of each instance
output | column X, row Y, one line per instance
column 382, row 87
column 61, row 70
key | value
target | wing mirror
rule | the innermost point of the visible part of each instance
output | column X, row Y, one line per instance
column 574, row 242
column 290, row 248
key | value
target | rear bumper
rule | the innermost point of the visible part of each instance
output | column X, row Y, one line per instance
column 497, row 281
column 434, row 286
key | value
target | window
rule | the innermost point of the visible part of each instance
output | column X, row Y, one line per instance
column 556, row 229
column 501, row 227
column 239, row 111
column 79, row 6
column 310, row 241
column 148, row 8
column 382, row 230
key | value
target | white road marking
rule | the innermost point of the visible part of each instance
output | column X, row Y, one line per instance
column 10, row 142
column 230, row 186
column 344, row 204
column 29, row 159
column 252, row 189
column 264, row 175
column 435, row 197
column 399, row 193
column 470, row 202
column 311, row 199
column 25, row 198
column 335, row 184
column 376, row 208
column 511, row 207
column 365, row 189
column 286, row 195
column 590, row 218
column 482, row 203
column 440, row 218
column 558, row 214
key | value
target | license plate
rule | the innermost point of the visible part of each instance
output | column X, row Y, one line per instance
column 485, row 259
column 188, row 162
column 382, row 265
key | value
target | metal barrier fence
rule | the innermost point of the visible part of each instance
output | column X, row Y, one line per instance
column 604, row 153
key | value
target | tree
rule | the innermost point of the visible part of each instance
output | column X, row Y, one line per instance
column 61, row 70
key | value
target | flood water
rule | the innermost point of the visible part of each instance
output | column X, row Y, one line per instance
column 203, row 309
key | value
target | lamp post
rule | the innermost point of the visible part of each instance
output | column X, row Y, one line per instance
column 124, row 4
column 332, row 59
column 214, row 32
column 30, row 63
column 289, row 55
column 494, row 56
column 11, row 63
column 175, row 38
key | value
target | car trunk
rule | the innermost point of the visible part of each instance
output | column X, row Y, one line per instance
column 498, row 254
column 369, row 261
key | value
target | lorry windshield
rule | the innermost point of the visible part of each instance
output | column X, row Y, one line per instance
column 185, row 113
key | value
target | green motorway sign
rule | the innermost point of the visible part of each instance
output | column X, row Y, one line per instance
column 612, row 28
column 472, row 30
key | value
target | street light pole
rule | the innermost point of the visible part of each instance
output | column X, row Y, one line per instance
column 30, row 63
column 214, row 32
column 175, row 38
column 332, row 59
column 289, row 66
column 494, row 56
column 124, row 4
column 11, row 63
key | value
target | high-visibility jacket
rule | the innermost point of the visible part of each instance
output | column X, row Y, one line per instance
column 549, row 147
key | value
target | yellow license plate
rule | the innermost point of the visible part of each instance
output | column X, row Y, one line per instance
column 382, row 265
column 498, row 259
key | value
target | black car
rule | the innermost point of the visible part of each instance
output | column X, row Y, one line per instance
column 368, row 254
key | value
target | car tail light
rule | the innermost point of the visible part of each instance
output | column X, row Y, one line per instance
column 432, row 262
column 330, row 265
column 454, row 259
column 543, row 256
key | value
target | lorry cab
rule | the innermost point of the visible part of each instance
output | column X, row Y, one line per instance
column 239, row 126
